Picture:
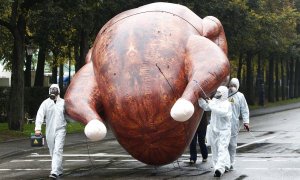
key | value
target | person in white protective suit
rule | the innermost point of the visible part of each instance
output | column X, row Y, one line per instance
column 52, row 109
column 220, row 129
column 239, row 108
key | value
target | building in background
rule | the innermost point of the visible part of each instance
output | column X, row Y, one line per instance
column 5, row 77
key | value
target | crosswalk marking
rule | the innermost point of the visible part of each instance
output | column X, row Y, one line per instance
column 255, row 142
column 82, row 155
column 23, row 160
column 271, row 168
column 134, row 160
column 44, row 160
column 77, row 160
column 29, row 169
column 127, row 168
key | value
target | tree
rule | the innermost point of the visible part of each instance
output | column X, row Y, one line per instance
column 15, row 23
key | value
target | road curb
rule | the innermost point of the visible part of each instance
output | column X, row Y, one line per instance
column 263, row 111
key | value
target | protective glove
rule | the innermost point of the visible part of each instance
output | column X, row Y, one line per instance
column 246, row 126
column 208, row 100
column 38, row 133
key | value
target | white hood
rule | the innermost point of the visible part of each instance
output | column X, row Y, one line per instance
column 54, row 85
column 235, row 82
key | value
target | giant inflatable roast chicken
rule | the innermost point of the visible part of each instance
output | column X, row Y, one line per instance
column 143, row 77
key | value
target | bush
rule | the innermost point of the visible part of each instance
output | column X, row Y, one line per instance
column 33, row 97
column 4, row 96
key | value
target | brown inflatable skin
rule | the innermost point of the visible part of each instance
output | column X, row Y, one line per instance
column 142, row 61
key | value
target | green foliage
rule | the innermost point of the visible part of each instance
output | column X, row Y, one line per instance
column 258, row 26
column 6, row 40
column 4, row 98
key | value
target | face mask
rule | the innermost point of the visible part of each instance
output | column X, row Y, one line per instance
column 52, row 96
column 53, row 93
column 218, row 95
column 232, row 89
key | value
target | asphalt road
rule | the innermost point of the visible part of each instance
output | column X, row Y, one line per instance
column 270, row 151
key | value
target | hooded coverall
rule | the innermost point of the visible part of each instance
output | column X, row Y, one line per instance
column 55, row 130
column 239, row 107
column 220, row 128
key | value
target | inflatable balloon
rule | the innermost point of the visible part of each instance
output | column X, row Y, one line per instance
column 143, row 77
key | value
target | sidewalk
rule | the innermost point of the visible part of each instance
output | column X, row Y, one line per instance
column 18, row 147
column 262, row 111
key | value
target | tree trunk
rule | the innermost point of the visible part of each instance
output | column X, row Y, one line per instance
column 76, row 55
column 61, row 77
column 27, row 78
column 16, row 98
column 54, row 67
column 84, row 48
column 249, row 79
column 54, row 74
column 239, row 72
column 283, row 84
column 292, row 78
column 39, row 75
column 271, row 79
column 260, row 82
column 276, row 81
column 287, row 79
column 297, row 78
column 70, row 58
column 243, row 81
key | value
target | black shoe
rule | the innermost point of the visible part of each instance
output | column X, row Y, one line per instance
column 217, row 173
column 53, row 176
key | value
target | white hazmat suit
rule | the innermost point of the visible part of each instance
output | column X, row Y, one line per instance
column 239, row 108
column 53, row 112
column 220, row 129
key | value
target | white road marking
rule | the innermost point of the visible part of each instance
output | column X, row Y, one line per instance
column 75, row 160
column 129, row 160
column 36, row 169
column 270, row 160
column 103, row 160
column 79, row 160
column 95, row 155
column 120, row 168
column 271, row 168
column 134, row 160
column 22, row 160
column 27, row 169
column 126, row 168
column 255, row 142
column 83, row 155
column 253, row 160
